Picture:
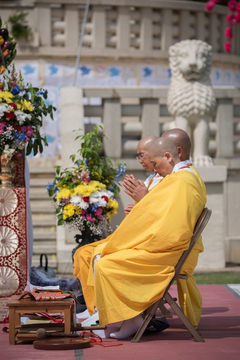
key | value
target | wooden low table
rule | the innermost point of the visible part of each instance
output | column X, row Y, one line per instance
column 23, row 306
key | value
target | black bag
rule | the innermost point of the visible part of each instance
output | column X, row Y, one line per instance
column 46, row 276
column 42, row 275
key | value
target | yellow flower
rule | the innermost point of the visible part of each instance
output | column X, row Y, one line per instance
column 25, row 105
column 6, row 95
column 87, row 189
column 78, row 210
column 68, row 211
column 113, row 204
column 63, row 194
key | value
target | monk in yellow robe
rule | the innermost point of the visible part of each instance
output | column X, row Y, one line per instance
column 137, row 260
column 189, row 296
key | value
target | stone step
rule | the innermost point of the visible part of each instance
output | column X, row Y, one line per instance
column 43, row 206
column 46, row 247
column 47, row 235
column 38, row 193
column 41, row 182
column 50, row 220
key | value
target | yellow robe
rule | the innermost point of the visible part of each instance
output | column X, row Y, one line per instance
column 137, row 260
column 189, row 296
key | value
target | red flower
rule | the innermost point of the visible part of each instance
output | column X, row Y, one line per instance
column 237, row 18
column 105, row 198
column 17, row 127
column 238, row 7
column 86, row 199
column 209, row 5
column 230, row 18
column 14, row 106
column 232, row 5
column 227, row 47
column 9, row 115
column 228, row 32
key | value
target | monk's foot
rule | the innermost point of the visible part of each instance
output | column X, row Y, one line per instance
column 128, row 328
column 112, row 328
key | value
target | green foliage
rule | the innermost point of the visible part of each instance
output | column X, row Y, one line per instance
column 100, row 167
column 19, row 26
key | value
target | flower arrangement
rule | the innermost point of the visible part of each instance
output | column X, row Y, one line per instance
column 86, row 195
column 21, row 110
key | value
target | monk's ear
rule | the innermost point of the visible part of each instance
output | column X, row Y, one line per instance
column 168, row 156
column 180, row 151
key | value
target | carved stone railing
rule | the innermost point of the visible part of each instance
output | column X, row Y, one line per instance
column 128, row 114
column 121, row 28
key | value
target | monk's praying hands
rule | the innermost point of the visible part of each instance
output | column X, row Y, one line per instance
column 134, row 188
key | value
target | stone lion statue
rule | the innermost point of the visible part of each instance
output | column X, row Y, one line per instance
column 190, row 97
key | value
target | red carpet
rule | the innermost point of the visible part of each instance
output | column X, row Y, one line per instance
column 220, row 327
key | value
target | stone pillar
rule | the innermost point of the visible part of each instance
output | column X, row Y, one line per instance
column 185, row 26
column 71, row 119
column 44, row 23
column 224, row 120
column 150, row 117
column 99, row 23
column 146, row 30
column 123, row 28
column 213, row 257
column 166, row 29
column 232, row 212
column 112, row 128
column 72, row 27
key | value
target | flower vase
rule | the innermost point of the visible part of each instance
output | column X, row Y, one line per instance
column 6, row 175
column 86, row 237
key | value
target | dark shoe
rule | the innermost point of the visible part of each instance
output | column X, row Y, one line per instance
column 157, row 325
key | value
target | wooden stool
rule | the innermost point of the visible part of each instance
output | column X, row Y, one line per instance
column 18, row 307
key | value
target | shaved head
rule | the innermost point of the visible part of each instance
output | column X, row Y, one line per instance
column 145, row 142
column 164, row 155
column 143, row 152
column 181, row 140
column 162, row 145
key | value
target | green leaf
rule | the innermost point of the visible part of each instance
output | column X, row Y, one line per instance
column 29, row 148
column 60, row 222
column 58, row 169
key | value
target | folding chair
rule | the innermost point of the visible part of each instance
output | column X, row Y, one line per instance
column 167, row 298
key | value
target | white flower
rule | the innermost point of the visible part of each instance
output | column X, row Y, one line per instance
column 78, row 201
column 4, row 108
column 97, row 197
column 21, row 116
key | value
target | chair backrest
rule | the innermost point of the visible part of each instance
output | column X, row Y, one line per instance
column 199, row 227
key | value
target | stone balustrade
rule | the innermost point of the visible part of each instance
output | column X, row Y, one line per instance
column 120, row 29
column 128, row 114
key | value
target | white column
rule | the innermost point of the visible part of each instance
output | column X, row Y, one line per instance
column 112, row 128
column 71, row 119
column 150, row 117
